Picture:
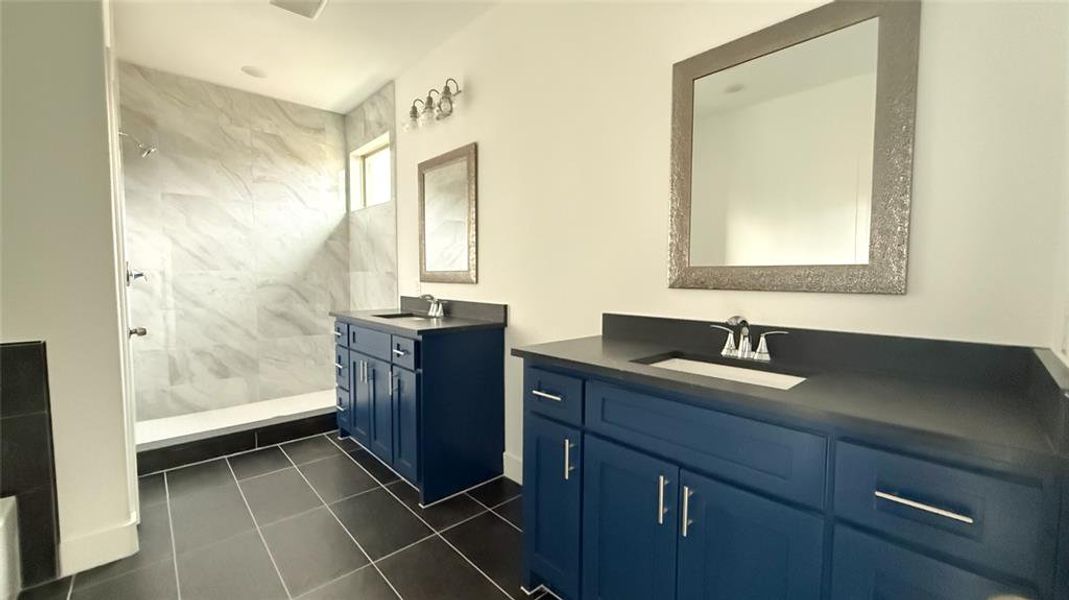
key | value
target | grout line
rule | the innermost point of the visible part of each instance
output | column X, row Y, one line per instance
column 70, row 588
column 174, row 550
column 464, row 491
column 258, row 531
column 488, row 507
column 238, row 453
column 502, row 517
column 436, row 533
column 340, row 524
column 336, row 579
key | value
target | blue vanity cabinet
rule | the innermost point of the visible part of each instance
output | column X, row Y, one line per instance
column 630, row 523
column 734, row 544
column 406, row 423
column 553, row 476
column 429, row 406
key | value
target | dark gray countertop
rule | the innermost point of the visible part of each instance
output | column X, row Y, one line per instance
column 1000, row 423
column 412, row 327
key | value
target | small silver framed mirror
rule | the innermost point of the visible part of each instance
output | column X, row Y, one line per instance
column 448, row 206
column 792, row 154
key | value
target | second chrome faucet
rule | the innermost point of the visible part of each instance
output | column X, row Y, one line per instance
column 744, row 349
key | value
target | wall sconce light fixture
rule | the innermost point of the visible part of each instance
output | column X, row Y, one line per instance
column 436, row 106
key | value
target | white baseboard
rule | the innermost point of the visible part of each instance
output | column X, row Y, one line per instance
column 98, row 548
column 513, row 467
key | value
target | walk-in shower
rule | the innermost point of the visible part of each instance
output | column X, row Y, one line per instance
column 241, row 224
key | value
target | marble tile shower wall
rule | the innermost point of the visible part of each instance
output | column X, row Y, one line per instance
column 240, row 222
column 373, row 230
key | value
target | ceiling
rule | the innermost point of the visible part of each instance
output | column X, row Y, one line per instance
column 333, row 62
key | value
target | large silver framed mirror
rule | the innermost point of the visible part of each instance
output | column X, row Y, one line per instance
column 792, row 154
column 448, row 206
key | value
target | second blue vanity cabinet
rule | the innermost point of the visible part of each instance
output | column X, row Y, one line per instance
column 425, row 396
column 630, row 522
column 553, row 476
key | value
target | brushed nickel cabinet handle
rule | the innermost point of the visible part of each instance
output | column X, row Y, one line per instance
column 568, row 468
column 397, row 352
column 339, row 406
column 542, row 394
column 662, row 482
column 923, row 507
column 339, row 367
column 337, row 333
column 687, row 522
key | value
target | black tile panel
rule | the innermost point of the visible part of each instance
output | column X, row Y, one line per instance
column 312, row 549
column 258, row 462
column 235, row 568
column 25, row 453
column 155, row 581
column 496, row 492
column 337, row 477
column 379, row 522
column 151, row 490
column 23, row 379
column 278, row 495
column 441, row 514
column 284, row 432
column 364, row 584
column 313, row 448
column 195, row 478
column 374, row 466
column 495, row 547
column 431, row 570
column 208, row 515
column 38, row 535
column 53, row 590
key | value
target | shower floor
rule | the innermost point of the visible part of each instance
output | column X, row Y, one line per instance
column 169, row 431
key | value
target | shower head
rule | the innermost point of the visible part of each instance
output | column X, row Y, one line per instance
column 144, row 149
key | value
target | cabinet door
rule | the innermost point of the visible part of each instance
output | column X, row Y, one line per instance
column 552, row 475
column 406, row 424
column 380, row 382
column 629, row 524
column 734, row 544
column 360, row 395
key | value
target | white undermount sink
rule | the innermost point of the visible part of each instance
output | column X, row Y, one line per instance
column 750, row 376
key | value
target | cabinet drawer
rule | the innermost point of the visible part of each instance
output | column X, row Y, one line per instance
column 370, row 342
column 866, row 568
column 983, row 519
column 781, row 461
column 341, row 333
column 553, row 394
column 403, row 352
column 341, row 367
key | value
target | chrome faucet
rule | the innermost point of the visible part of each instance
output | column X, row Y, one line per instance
column 435, row 311
column 744, row 350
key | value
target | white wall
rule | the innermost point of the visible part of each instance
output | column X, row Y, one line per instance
column 59, row 277
column 570, row 105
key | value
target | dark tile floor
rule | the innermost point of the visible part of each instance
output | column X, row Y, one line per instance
column 317, row 518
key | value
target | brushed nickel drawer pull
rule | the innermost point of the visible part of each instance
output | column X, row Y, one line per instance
column 337, row 333
column 397, row 352
column 923, row 507
column 687, row 522
column 339, row 366
column 662, row 482
column 542, row 394
column 568, row 468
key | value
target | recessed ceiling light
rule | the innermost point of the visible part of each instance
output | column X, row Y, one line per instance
column 308, row 9
column 734, row 88
column 252, row 71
